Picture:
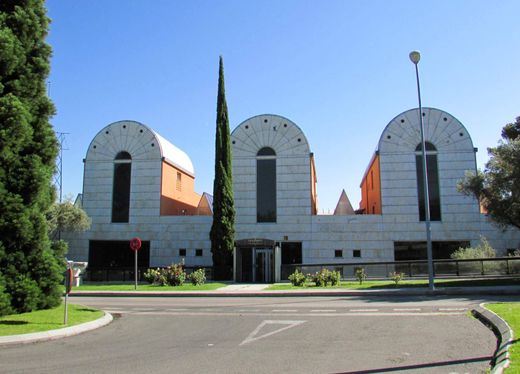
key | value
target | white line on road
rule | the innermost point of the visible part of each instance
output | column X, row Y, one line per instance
column 346, row 314
column 284, row 310
column 407, row 309
column 451, row 309
column 363, row 310
column 323, row 310
column 177, row 310
column 248, row 310
column 254, row 334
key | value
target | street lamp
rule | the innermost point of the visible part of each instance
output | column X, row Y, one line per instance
column 415, row 57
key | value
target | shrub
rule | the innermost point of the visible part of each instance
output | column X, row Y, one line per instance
column 396, row 276
column 320, row 278
column 334, row 278
column 324, row 277
column 175, row 275
column 198, row 277
column 483, row 250
column 360, row 275
column 155, row 276
column 297, row 278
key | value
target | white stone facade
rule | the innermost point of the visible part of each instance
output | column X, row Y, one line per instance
column 370, row 236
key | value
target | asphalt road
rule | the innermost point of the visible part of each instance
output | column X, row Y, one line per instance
column 268, row 335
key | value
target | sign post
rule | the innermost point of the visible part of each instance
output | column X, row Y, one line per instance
column 135, row 245
column 69, row 279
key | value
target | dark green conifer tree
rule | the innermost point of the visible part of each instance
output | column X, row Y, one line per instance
column 222, row 233
column 30, row 270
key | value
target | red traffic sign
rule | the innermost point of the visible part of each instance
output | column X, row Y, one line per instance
column 135, row 244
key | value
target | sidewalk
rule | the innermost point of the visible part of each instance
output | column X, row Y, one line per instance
column 259, row 290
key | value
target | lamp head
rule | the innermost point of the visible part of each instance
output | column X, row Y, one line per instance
column 415, row 57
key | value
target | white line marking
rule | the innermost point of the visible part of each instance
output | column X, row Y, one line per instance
column 253, row 336
column 323, row 310
column 283, row 310
column 177, row 310
column 346, row 314
column 363, row 310
column 248, row 310
column 407, row 309
column 451, row 309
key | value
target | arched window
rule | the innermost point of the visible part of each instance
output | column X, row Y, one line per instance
column 433, row 182
column 121, row 187
column 266, row 185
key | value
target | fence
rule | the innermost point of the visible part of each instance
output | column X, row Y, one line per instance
column 486, row 267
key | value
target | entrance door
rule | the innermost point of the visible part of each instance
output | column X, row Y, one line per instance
column 263, row 265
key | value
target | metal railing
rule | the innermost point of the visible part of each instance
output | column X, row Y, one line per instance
column 472, row 268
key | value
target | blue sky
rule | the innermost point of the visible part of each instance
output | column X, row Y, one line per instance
column 338, row 69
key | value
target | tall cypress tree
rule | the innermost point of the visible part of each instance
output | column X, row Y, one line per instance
column 30, row 270
column 222, row 232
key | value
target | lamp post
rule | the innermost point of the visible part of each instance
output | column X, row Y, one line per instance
column 415, row 57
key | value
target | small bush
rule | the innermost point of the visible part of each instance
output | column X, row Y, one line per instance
column 324, row 277
column 483, row 250
column 360, row 275
column 396, row 276
column 155, row 276
column 198, row 277
column 175, row 275
column 297, row 278
column 334, row 278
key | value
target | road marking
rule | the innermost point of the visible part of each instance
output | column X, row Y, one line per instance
column 248, row 310
column 407, row 309
column 345, row 314
column 323, row 310
column 177, row 310
column 286, row 325
column 363, row 310
column 451, row 309
column 284, row 310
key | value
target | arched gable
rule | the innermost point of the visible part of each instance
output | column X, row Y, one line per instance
column 269, row 130
column 141, row 142
column 445, row 132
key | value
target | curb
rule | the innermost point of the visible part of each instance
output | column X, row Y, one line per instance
column 503, row 333
column 56, row 334
column 459, row 291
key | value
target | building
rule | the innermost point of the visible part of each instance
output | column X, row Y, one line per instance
column 138, row 184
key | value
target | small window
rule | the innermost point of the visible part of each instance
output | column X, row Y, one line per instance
column 198, row 252
column 338, row 253
column 182, row 252
column 178, row 185
column 356, row 253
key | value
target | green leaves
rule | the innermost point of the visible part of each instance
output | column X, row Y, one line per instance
column 30, row 270
column 498, row 186
column 222, row 232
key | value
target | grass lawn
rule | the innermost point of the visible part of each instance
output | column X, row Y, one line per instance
column 49, row 319
column 510, row 312
column 147, row 287
column 388, row 284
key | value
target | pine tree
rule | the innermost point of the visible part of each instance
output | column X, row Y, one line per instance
column 30, row 270
column 222, row 233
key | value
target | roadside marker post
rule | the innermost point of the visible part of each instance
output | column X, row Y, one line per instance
column 135, row 245
column 69, row 279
